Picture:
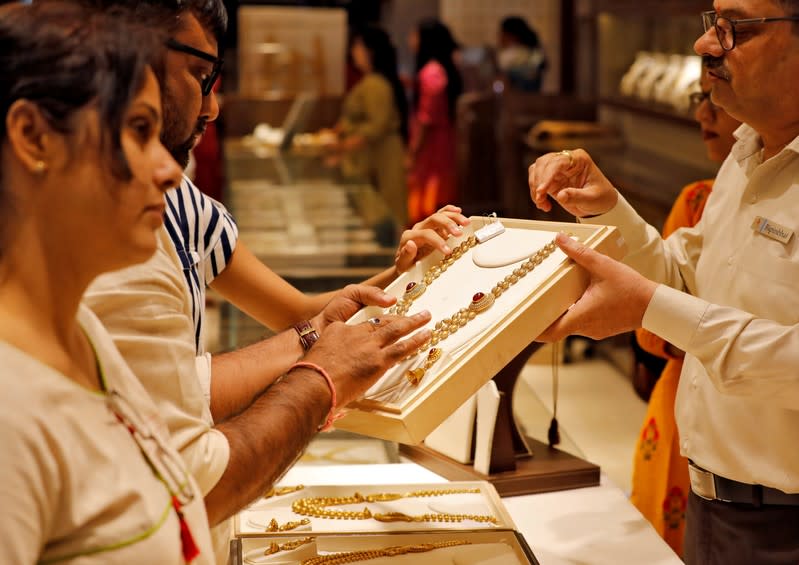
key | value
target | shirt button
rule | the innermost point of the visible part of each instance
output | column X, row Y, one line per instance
column 731, row 260
column 693, row 382
column 753, row 199
column 685, row 446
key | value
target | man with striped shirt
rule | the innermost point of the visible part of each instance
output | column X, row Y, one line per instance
column 239, row 419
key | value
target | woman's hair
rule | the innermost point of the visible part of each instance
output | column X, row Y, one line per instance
column 517, row 27
column 384, row 62
column 437, row 44
column 65, row 57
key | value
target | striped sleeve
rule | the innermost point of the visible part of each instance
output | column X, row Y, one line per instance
column 205, row 235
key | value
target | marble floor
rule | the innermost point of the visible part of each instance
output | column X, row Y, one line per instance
column 599, row 413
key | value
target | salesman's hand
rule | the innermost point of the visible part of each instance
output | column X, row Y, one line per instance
column 574, row 181
column 348, row 301
column 428, row 235
column 356, row 356
column 614, row 302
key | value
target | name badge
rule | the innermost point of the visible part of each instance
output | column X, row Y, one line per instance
column 772, row 229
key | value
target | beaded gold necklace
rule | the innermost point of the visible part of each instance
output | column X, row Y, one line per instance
column 317, row 507
column 367, row 554
column 481, row 301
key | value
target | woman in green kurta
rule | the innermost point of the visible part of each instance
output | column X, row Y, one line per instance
column 373, row 124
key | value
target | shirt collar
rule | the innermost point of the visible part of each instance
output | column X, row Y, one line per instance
column 749, row 143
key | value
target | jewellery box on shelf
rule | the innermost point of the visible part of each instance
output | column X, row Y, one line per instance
column 488, row 301
column 494, row 547
column 301, row 511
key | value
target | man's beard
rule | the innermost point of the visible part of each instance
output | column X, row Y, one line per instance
column 179, row 148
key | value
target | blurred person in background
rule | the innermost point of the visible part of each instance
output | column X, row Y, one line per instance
column 431, row 152
column 373, row 126
column 521, row 57
column 660, row 474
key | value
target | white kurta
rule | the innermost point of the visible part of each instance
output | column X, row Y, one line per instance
column 74, row 485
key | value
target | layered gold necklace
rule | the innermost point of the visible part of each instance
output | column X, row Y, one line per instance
column 367, row 554
column 481, row 301
column 318, row 507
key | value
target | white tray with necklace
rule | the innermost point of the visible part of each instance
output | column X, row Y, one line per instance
column 489, row 299
column 300, row 510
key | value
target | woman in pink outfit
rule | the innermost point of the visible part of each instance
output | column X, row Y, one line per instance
column 431, row 152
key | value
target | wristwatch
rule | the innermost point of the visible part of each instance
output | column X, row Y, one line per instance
column 307, row 333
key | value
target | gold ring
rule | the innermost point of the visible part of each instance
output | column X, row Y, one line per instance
column 567, row 153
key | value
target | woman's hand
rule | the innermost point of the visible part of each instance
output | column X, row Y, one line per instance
column 428, row 235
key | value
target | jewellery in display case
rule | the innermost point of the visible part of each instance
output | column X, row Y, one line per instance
column 275, row 547
column 317, row 507
column 280, row 491
column 367, row 554
column 275, row 527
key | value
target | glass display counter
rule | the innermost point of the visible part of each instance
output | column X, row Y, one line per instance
column 305, row 220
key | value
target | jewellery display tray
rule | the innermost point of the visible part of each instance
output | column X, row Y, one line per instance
column 505, row 546
column 474, row 354
column 253, row 521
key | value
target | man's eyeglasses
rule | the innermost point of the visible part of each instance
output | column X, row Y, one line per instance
column 696, row 98
column 207, row 83
column 725, row 27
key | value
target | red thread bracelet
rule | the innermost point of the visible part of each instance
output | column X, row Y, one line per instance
column 331, row 415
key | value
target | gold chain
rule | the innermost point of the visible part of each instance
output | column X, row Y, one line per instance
column 275, row 547
column 367, row 554
column 274, row 526
column 317, row 507
column 483, row 301
column 415, row 289
column 280, row 491
column 480, row 303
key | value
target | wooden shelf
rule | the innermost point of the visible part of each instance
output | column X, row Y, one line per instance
column 649, row 109
column 649, row 8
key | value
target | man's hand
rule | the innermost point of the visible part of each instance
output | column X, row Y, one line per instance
column 574, row 181
column 348, row 301
column 356, row 356
column 614, row 302
column 428, row 235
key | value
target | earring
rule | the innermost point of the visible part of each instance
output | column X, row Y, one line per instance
column 40, row 167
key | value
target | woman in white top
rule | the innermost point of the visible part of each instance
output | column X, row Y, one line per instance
column 86, row 475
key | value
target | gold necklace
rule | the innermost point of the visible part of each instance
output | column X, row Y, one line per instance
column 275, row 547
column 414, row 289
column 480, row 303
column 317, row 507
column 367, row 554
column 274, row 526
column 280, row 491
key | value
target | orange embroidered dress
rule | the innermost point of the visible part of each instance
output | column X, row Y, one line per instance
column 660, row 473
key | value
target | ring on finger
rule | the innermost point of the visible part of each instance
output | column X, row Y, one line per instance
column 567, row 153
column 374, row 321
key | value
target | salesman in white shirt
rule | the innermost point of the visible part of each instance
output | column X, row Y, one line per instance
column 725, row 291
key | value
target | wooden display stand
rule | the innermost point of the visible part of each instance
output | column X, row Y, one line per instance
column 519, row 464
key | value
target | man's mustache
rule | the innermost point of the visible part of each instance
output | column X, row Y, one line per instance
column 715, row 65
